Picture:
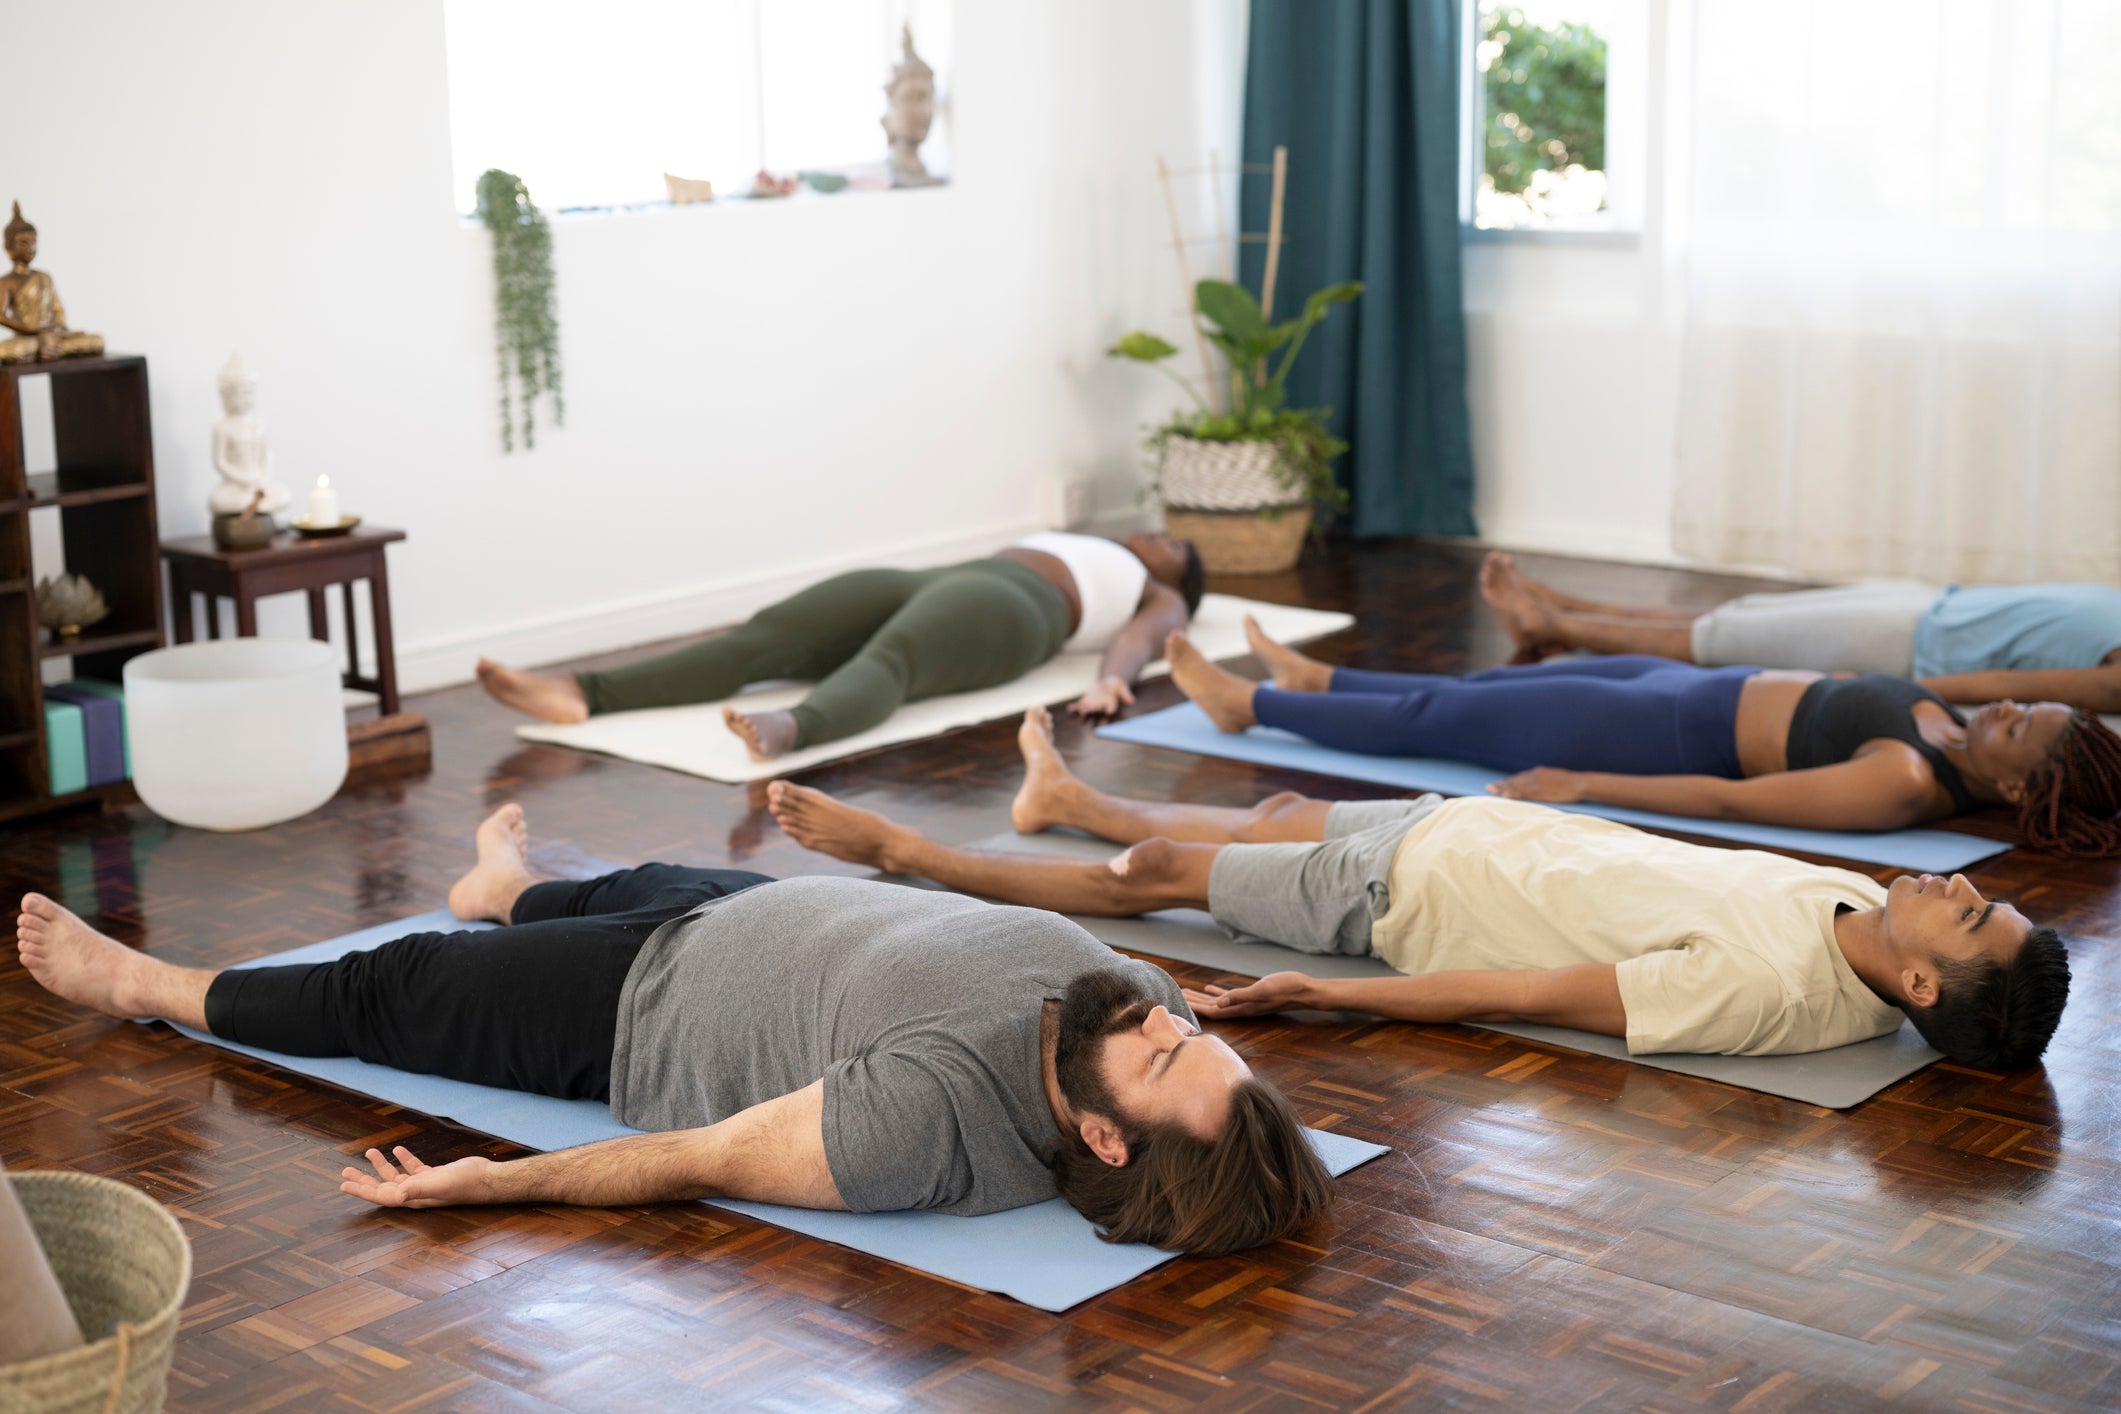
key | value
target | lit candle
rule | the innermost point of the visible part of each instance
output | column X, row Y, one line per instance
column 323, row 505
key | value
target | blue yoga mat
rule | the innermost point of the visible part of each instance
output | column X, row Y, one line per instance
column 1047, row 1255
column 1186, row 728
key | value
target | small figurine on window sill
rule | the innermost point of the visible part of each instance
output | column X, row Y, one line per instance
column 911, row 112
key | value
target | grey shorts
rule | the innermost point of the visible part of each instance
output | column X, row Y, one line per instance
column 1857, row 628
column 1317, row 898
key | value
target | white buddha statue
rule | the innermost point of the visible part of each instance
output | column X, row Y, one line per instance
column 240, row 452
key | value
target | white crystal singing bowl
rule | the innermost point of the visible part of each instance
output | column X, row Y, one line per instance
column 236, row 734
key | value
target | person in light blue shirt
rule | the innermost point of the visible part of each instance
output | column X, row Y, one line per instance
column 2024, row 628
column 1966, row 643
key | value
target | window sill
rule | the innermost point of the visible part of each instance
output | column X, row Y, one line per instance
column 803, row 197
column 1555, row 234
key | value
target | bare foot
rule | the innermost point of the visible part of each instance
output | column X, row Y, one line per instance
column 1293, row 672
column 1223, row 695
column 764, row 734
column 816, row 821
column 550, row 697
column 74, row 961
column 1525, row 614
column 490, row 890
column 1042, row 801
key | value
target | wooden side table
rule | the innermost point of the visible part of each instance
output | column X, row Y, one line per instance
column 290, row 563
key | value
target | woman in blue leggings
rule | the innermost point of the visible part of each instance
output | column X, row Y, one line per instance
column 1780, row 747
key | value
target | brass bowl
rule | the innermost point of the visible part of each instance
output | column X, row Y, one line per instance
column 236, row 531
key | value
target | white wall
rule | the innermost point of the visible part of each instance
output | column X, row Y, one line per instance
column 756, row 393
column 1573, row 344
column 1573, row 381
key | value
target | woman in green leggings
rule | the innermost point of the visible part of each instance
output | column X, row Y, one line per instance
column 874, row 639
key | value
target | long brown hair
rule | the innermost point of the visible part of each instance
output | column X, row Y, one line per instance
column 1257, row 1182
column 2071, row 802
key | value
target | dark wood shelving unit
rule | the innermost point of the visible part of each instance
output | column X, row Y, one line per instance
column 98, row 643
column 103, row 491
column 45, row 489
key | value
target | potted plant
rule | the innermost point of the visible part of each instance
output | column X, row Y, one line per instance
column 1241, row 482
column 526, row 329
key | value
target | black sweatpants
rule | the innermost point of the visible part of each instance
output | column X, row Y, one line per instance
column 531, row 1006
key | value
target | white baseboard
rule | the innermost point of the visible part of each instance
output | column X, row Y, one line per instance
column 529, row 643
column 1648, row 549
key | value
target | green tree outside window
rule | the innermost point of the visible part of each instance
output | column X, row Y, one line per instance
column 1543, row 81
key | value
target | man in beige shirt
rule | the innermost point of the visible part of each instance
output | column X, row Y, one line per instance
column 1501, row 910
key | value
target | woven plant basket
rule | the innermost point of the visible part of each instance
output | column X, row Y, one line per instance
column 1242, row 542
column 1224, row 476
column 125, row 1266
column 1233, row 501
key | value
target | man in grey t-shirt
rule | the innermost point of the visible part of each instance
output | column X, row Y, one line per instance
column 823, row 1043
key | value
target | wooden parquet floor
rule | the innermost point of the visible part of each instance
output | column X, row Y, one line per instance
column 1551, row 1230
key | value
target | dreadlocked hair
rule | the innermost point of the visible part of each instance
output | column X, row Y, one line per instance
column 2071, row 802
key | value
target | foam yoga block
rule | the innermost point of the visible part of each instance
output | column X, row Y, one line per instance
column 65, row 747
column 94, row 687
column 102, row 731
column 1046, row 1255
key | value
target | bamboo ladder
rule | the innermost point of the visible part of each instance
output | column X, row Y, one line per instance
column 1224, row 248
column 1233, row 542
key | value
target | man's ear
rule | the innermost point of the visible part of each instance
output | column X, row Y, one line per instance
column 1919, row 986
column 1104, row 1139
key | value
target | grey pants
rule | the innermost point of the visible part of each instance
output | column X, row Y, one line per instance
column 1856, row 628
column 1316, row 898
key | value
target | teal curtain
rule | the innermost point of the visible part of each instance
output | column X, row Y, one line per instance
column 1364, row 94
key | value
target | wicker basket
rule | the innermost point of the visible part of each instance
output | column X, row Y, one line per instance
column 1224, row 476
column 125, row 1266
column 1234, row 502
column 1242, row 542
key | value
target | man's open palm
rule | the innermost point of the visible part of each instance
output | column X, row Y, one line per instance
column 412, row 1184
column 1269, row 994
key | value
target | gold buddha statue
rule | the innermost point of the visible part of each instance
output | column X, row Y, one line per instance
column 29, row 305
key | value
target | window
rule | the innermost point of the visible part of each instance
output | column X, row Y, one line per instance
column 1553, row 114
column 591, row 106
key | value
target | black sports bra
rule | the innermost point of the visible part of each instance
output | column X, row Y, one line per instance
column 1837, row 715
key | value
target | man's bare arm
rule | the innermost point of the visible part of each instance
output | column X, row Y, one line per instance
column 770, row 1153
column 1585, row 996
column 2094, row 689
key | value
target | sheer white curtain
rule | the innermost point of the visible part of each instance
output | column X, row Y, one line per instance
column 1902, row 249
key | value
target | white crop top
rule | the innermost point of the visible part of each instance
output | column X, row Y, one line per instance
column 1108, row 581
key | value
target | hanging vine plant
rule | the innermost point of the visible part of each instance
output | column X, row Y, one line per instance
column 526, row 330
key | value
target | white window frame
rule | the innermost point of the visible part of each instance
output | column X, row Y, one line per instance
column 1627, row 107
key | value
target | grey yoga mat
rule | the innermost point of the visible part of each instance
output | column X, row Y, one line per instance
column 1837, row 1079
column 1186, row 728
column 1046, row 1255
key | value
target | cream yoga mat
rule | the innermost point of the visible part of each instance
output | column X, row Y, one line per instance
column 694, row 740
column 1837, row 1079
